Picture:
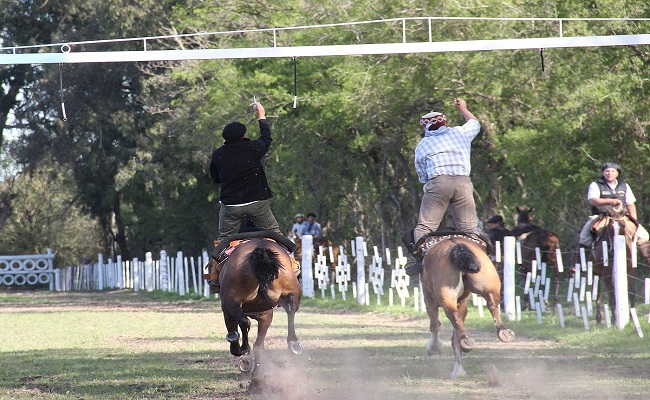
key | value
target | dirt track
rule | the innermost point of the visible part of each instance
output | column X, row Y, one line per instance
column 351, row 355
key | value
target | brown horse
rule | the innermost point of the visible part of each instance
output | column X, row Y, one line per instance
column 257, row 276
column 453, row 268
column 613, row 219
column 533, row 237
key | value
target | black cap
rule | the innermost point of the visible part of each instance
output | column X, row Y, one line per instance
column 495, row 220
column 234, row 130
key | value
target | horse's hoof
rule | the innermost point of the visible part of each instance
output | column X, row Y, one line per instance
column 246, row 364
column 467, row 344
column 232, row 336
column 506, row 335
column 458, row 372
column 431, row 352
column 295, row 347
column 235, row 350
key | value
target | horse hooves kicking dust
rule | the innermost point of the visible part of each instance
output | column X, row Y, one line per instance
column 506, row 335
column 454, row 267
column 256, row 277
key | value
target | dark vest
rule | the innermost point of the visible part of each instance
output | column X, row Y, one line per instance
column 607, row 193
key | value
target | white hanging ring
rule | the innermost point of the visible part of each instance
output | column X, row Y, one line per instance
column 65, row 48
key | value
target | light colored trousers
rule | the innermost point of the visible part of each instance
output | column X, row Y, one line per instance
column 455, row 192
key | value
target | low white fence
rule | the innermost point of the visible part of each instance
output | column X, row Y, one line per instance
column 332, row 278
column 180, row 274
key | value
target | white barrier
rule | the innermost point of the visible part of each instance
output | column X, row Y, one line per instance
column 35, row 269
column 361, row 269
column 619, row 273
column 179, row 275
column 306, row 266
column 509, row 244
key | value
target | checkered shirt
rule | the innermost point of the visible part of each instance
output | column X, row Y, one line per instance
column 446, row 151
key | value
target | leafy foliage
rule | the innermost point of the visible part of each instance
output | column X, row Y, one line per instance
column 139, row 136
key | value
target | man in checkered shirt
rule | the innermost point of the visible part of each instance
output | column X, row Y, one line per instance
column 442, row 162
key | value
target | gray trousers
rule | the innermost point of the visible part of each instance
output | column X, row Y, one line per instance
column 456, row 192
column 230, row 218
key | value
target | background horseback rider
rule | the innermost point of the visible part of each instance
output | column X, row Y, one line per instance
column 609, row 190
column 299, row 226
column 311, row 227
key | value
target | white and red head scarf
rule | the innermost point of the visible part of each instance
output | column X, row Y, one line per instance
column 433, row 121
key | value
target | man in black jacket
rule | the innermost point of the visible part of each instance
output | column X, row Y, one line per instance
column 237, row 167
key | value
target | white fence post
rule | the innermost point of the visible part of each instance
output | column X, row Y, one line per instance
column 120, row 273
column 509, row 250
column 361, row 271
column 619, row 273
column 100, row 271
column 148, row 271
column 180, row 274
column 135, row 273
column 306, row 266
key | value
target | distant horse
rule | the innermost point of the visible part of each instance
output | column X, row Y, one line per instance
column 317, row 243
column 453, row 268
column 533, row 237
column 612, row 219
column 257, row 276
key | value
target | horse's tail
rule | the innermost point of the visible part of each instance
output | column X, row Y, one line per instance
column 464, row 259
column 266, row 266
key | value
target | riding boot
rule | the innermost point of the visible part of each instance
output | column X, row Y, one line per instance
column 415, row 267
column 408, row 241
column 212, row 277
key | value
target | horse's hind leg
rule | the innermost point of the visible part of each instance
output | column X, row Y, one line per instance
column 456, row 313
column 504, row 334
column 291, row 306
column 263, row 323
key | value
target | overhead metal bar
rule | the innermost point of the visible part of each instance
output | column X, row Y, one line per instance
column 64, row 52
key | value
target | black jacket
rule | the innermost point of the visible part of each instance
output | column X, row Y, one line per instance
column 237, row 167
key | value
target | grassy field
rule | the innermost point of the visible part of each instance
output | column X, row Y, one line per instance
column 125, row 345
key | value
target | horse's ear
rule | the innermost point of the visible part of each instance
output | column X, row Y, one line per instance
column 518, row 210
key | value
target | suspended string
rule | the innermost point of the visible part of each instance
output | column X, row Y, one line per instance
column 65, row 117
column 295, row 83
column 541, row 56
